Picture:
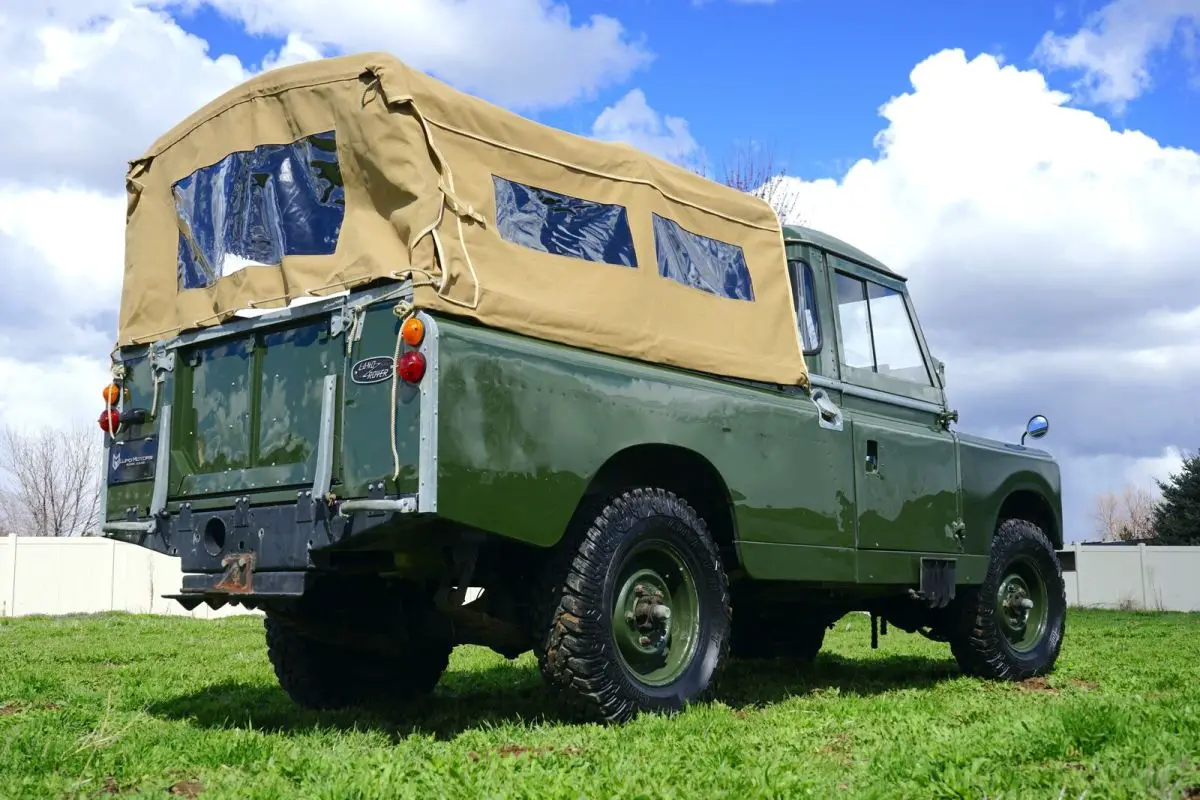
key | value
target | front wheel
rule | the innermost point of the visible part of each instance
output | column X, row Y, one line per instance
column 641, row 612
column 1011, row 627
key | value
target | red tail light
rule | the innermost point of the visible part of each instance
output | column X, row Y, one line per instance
column 411, row 367
column 110, row 420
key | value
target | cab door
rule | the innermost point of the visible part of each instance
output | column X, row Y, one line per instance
column 907, row 488
column 826, row 488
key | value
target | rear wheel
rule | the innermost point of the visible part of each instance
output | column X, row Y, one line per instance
column 1011, row 627
column 639, row 610
column 319, row 675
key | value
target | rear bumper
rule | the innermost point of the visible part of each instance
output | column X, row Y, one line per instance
column 238, row 585
column 276, row 538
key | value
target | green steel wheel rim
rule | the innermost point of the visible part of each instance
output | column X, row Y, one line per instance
column 1022, row 605
column 655, row 613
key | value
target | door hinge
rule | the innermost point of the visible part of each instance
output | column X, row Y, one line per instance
column 947, row 417
column 956, row 530
column 162, row 360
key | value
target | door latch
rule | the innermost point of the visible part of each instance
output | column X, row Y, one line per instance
column 830, row 414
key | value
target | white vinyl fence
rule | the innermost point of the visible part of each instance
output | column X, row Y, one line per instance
column 86, row 575
column 1135, row 576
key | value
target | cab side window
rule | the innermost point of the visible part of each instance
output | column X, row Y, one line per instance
column 855, row 321
column 804, row 297
column 877, row 332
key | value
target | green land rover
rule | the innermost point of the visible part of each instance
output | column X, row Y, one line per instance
column 404, row 371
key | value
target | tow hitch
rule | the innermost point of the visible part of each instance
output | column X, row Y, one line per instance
column 238, row 577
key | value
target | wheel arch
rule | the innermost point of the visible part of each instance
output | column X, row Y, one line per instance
column 677, row 469
column 1032, row 506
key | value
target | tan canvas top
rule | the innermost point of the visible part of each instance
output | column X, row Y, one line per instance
column 317, row 178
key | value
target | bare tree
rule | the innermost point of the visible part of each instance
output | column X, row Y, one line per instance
column 752, row 169
column 51, row 481
column 1128, row 516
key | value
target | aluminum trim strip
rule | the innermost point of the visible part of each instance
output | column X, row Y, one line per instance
column 427, row 463
column 875, row 394
column 162, row 463
column 323, row 473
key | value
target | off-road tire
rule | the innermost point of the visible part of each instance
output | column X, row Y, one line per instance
column 317, row 675
column 976, row 635
column 578, row 653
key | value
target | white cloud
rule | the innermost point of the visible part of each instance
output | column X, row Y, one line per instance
column 1052, row 261
column 526, row 54
column 1114, row 46
column 90, row 83
column 55, row 392
column 295, row 50
column 631, row 120
column 75, row 237
column 95, row 84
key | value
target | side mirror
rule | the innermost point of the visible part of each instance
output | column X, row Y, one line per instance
column 1037, row 427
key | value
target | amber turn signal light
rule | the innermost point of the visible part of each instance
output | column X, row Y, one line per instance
column 412, row 331
column 112, row 394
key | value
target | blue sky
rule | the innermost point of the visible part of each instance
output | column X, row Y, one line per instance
column 808, row 78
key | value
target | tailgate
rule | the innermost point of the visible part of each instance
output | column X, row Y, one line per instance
column 250, row 410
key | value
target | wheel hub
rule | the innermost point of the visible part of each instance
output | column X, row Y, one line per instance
column 1021, row 607
column 1017, row 603
column 648, row 613
column 655, row 616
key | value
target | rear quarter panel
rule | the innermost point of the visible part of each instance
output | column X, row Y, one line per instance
column 524, row 425
column 991, row 472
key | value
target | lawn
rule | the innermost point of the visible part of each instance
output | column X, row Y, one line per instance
column 118, row 705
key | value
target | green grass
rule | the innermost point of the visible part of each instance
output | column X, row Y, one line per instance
column 124, row 706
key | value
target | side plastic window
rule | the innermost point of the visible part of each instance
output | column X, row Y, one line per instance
column 700, row 262
column 562, row 225
column 804, row 297
column 877, row 332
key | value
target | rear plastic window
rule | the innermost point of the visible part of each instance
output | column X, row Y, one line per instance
column 254, row 207
column 700, row 262
column 562, row 225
